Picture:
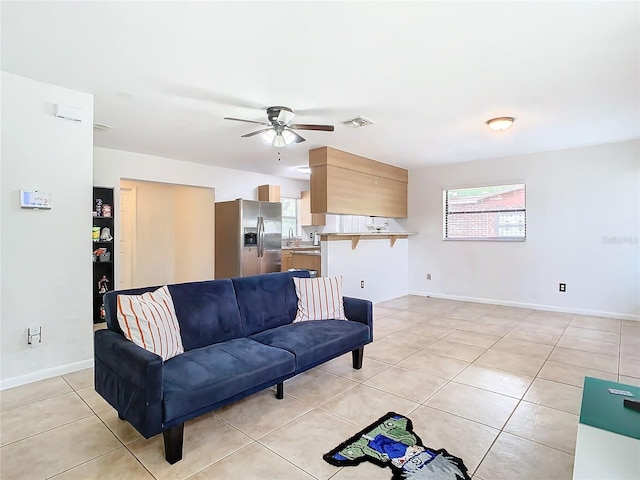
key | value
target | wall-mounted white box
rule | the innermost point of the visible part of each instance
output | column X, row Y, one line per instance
column 69, row 113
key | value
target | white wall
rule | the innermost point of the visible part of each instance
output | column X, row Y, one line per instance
column 45, row 263
column 383, row 268
column 194, row 220
column 583, row 215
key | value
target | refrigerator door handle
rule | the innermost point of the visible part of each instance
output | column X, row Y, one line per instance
column 260, row 237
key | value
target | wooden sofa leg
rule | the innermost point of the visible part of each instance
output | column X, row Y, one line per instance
column 280, row 391
column 173, row 443
column 357, row 356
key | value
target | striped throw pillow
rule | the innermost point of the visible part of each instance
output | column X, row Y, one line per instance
column 149, row 320
column 319, row 298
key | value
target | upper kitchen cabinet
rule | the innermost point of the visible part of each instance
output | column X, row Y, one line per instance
column 306, row 217
column 343, row 183
column 269, row 193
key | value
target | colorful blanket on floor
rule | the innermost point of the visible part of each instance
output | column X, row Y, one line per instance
column 391, row 442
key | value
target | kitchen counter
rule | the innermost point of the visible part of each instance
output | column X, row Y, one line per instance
column 367, row 234
column 355, row 237
column 305, row 252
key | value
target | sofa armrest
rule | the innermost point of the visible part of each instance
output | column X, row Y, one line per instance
column 130, row 379
column 359, row 310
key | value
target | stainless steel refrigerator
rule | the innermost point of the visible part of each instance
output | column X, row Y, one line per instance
column 248, row 238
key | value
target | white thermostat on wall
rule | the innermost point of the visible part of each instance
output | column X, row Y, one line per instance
column 35, row 199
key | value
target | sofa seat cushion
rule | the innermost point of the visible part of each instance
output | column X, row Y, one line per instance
column 207, row 375
column 314, row 342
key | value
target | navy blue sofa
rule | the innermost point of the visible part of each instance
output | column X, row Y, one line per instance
column 239, row 338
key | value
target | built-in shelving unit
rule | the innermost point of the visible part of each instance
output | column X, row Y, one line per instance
column 103, row 241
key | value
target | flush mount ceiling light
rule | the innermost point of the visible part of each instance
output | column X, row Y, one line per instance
column 500, row 123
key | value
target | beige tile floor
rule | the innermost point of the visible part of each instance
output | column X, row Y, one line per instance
column 498, row 386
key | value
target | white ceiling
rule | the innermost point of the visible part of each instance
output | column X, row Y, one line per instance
column 164, row 74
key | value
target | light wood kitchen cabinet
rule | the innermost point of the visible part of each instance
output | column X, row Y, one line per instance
column 269, row 193
column 343, row 183
column 311, row 262
column 306, row 217
column 285, row 261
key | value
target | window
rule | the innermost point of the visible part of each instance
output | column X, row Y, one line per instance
column 485, row 213
column 289, row 216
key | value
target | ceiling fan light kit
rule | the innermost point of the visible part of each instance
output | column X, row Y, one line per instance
column 500, row 123
column 268, row 136
column 279, row 141
column 280, row 132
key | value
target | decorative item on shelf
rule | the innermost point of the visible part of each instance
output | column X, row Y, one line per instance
column 95, row 234
column 97, row 252
column 102, row 255
column 106, row 210
column 103, row 285
column 105, row 235
column 378, row 228
column 98, row 207
column 103, row 315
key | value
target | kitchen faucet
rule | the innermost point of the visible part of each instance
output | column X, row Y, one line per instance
column 290, row 237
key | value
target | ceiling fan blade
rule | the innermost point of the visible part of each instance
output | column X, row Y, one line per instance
column 247, row 121
column 302, row 126
column 298, row 138
column 256, row 132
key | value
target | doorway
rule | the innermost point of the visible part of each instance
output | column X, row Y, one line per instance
column 167, row 234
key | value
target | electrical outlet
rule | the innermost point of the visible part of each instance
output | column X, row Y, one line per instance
column 563, row 287
column 361, row 283
column 34, row 336
column 310, row 235
column 428, row 276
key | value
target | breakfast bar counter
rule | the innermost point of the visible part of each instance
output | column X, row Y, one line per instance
column 355, row 237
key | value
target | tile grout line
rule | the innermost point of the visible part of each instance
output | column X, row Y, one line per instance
column 514, row 410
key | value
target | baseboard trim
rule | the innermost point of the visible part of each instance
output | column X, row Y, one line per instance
column 44, row 374
column 535, row 306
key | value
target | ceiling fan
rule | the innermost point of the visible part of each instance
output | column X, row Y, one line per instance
column 280, row 131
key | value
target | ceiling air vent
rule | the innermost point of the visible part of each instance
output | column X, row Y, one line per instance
column 101, row 127
column 358, row 122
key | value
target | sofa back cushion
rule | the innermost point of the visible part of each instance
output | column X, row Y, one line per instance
column 267, row 301
column 207, row 311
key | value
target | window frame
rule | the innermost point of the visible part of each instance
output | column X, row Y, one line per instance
column 296, row 230
column 507, row 211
